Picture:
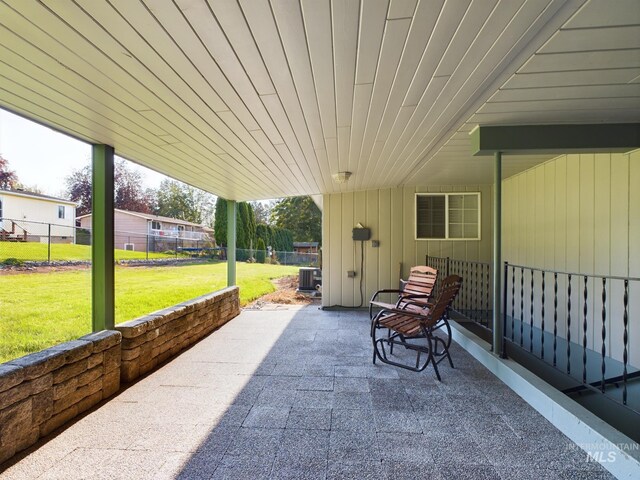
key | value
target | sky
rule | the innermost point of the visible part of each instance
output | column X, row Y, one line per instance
column 43, row 157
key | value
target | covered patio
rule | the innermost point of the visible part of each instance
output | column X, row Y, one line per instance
column 291, row 393
column 368, row 106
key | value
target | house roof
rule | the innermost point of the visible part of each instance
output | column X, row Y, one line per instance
column 38, row 196
column 253, row 100
column 149, row 216
column 305, row 244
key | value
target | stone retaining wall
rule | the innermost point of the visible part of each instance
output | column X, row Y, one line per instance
column 150, row 340
column 42, row 391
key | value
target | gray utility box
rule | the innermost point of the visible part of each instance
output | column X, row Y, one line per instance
column 309, row 278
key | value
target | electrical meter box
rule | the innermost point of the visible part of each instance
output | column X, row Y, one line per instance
column 361, row 234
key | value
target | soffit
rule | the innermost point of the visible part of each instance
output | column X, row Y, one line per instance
column 253, row 99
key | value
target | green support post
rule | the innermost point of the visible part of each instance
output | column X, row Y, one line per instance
column 102, row 242
column 231, row 243
column 497, row 255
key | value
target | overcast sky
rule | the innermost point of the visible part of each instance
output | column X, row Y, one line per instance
column 43, row 157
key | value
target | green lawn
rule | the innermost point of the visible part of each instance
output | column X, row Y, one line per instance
column 37, row 252
column 38, row 310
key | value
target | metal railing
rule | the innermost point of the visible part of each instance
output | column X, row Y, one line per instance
column 474, row 299
column 175, row 233
column 576, row 323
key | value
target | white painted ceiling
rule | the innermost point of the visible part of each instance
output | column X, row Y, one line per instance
column 256, row 99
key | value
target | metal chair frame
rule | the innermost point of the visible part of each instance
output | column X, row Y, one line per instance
column 406, row 325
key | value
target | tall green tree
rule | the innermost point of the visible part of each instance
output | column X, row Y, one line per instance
column 261, row 251
column 301, row 216
column 264, row 232
column 220, row 222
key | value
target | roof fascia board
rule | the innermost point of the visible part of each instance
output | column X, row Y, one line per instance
column 555, row 139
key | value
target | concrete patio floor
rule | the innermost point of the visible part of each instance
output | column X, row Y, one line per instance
column 292, row 393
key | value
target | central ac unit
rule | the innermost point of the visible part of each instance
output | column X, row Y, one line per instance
column 309, row 278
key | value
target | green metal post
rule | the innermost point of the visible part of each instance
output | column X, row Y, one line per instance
column 231, row 243
column 497, row 255
column 102, row 244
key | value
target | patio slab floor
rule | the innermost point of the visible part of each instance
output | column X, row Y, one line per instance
column 292, row 393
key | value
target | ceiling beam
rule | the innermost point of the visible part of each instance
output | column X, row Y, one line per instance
column 531, row 139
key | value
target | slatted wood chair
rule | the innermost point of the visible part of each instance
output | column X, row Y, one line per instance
column 416, row 292
column 414, row 329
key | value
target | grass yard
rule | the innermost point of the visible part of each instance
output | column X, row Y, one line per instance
column 38, row 310
column 37, row 252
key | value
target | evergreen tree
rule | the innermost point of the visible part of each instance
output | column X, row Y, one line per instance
column 261, row 253
column 220, row 222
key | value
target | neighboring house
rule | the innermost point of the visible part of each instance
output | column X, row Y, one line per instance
column 141, row 231
column 28, row 216
column 305, row 247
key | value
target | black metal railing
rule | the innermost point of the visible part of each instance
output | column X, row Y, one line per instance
column 474, row 299
column 578, row 324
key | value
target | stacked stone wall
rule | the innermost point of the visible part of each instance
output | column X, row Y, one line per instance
column 148, row 341
column 42, row 391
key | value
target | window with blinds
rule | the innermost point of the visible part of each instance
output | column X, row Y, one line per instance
column 448, row 216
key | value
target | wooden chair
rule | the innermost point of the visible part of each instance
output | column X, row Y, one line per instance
column 416, row 292
column 414, row 329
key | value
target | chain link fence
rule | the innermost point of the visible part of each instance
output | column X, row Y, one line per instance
column 23, row 240
column 26, row 241
column 277, row 258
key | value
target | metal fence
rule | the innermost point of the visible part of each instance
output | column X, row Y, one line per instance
column 474, row 299
column 27, row 241
column 578, row 324
column 277, row 257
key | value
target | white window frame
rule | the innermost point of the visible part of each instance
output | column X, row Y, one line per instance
column 61, row 209
column 159, row 224
column 446, row 215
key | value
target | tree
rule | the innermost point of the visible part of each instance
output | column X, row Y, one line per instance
column 79, row 189
column 220, row 222
column 262, row 211
column 178, row 200
column 261, row 253
column 301, row 216
column 128, row 193
column 264, row 232
column 8, row 178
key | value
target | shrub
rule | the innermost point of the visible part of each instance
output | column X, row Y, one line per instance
column 12, row 262
column 261, row 253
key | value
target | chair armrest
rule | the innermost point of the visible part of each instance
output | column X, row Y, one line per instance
column 410, row 299
column 399, row 311
column 386, row 290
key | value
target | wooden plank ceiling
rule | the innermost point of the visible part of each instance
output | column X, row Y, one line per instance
column 253, row 99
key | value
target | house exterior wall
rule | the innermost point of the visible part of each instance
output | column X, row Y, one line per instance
column 34, row 215
column 390, row 214
column 579, row 214
column 576, row 213
column 137, row 230
column 130, row 229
